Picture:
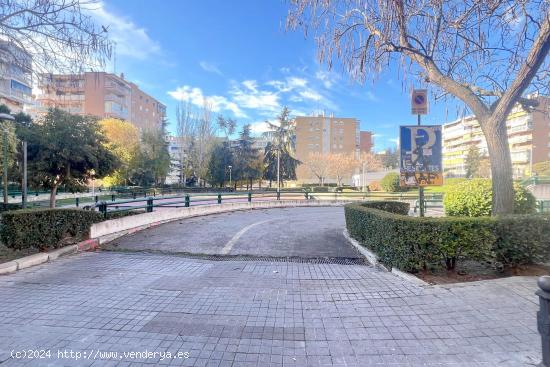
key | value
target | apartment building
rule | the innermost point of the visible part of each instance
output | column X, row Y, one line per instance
column 99, row 94
column 15, row 77
column 327, row 134
column 528, row 138
column 366, row 141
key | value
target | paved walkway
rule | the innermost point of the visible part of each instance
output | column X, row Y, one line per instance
column 121, row 309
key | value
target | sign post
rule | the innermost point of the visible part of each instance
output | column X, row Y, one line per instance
column 420, row 151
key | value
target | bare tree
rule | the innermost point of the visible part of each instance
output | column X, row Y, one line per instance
column 487, row 53
column 368, row 162
column 341, row 165
column 59, row 35
column 204, row 140
column 185, row 127
column 318, row 165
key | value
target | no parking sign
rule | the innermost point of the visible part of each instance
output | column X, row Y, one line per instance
column 419, row 102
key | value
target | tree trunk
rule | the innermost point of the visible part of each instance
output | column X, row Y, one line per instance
column 501, row 167
column 53, row 194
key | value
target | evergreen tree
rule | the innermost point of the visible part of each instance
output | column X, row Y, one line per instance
column 220, row 158
column 66, row 149
column 246, row 156
column 282, row 144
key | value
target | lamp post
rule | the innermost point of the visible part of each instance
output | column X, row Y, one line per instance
column 5, row 117
column 230, row 167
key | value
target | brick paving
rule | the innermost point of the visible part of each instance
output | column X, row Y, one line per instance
column 258, row 313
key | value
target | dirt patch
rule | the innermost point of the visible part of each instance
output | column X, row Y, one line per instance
column 7, row 254
column 472, row 271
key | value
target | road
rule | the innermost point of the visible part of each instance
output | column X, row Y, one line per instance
column 289, row 232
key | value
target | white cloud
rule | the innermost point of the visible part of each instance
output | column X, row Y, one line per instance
column 252, row 98
column 260, row 127
column 211, row 68
column 131, row 40
column 311, row 95
column 326, row 77
column 195, row 95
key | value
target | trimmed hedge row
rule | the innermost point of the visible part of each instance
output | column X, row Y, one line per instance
column 412, row 243
column 46, row 228
column 473, row 198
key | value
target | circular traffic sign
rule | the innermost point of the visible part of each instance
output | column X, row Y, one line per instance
column 419, row 99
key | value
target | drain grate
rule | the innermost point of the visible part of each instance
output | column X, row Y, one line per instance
column 286, row 259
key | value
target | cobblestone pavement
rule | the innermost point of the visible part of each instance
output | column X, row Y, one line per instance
column 302, row 232
column 256, row 313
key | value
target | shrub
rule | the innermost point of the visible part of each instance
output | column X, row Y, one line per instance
column 375, row 186
column 390, row 183
column 320, row 189
column 43, row 228
column 396, row 207
column 412, row 243
column 473, row 198
column 522, row 239
column 10, row 206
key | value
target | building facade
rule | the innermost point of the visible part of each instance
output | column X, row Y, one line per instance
column 366, row 141
column 15, row 77
column 325, row 135
column 528, row 138
column 99, row 94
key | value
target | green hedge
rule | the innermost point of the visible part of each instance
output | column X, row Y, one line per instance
column 10, row 206
column 46, row 228
column 412, row 243
column 473, row 198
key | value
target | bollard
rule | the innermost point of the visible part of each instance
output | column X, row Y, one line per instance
column 187, row 200
column 249, row 197
column 219, row 198
column 77, row 202
column 149, row 205
column 543, row 318
column 103, row 209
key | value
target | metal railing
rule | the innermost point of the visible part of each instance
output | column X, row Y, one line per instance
column 148, row 204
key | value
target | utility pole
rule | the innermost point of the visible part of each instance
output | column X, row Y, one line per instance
column 24, row 183
column 278, row 171
column 5, row 164
column 230, row 167
column 6, row 117
column 420, row 188
column 364, row 179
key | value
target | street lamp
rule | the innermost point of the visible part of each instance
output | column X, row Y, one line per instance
column 5, row 117
column 230, row 167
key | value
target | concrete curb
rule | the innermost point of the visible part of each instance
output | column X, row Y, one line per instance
column 8, row 267
column 110, row 230
column 43, row 257
column 369, row 255
column 373, row 259
column 411, row 278
column 31, row 260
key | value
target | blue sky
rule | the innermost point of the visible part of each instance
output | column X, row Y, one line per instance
column 238, row 54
